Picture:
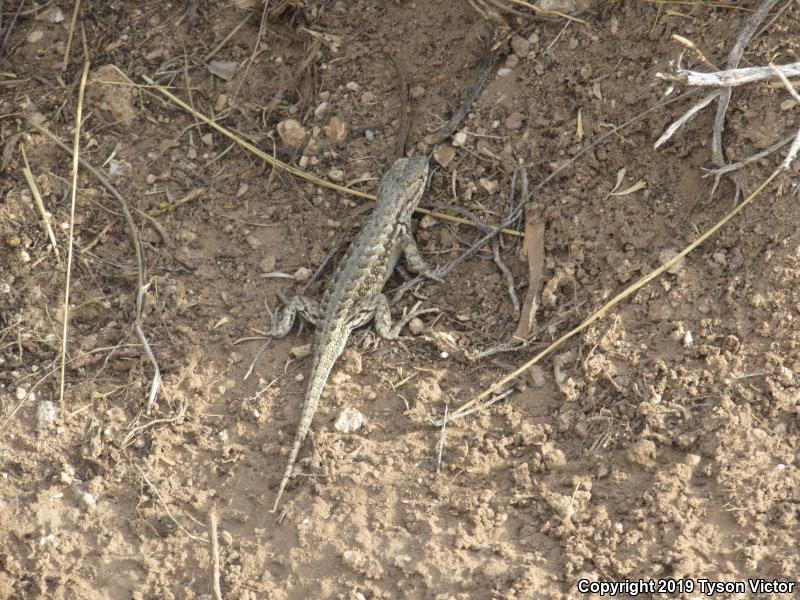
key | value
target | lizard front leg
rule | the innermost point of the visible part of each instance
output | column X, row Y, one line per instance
column 414, row 259
column 284, row 318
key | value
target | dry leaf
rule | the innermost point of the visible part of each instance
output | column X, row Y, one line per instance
column 641, row 184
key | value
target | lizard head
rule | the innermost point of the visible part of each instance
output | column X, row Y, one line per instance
column 402, row 186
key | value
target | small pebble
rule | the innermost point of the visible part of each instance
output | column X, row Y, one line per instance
column 460, row 138
column 512, row 61
column 514, row 120
column 320, row 111
column 301, row 351
column 222, row 100
column 369, row 135
column 292, row 133
column 504, row 72
column 225, row 538
column 51, row 15
column 35, row 36
column 788, row 104
column 208, row 139
column 349, row 420
column 416, row 326
column 667, row 255
column 520, row 46
column 352, row 86
column 416, row 92
column 426, row 222
column 302, row 274
column 489, row 185
column 46, row 413
column 444, row 155
column 336, row 175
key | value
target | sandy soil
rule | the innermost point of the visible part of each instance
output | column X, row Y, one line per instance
column 660, row 443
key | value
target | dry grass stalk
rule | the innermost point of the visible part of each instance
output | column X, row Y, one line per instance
column 37, row 198
column 73, row 197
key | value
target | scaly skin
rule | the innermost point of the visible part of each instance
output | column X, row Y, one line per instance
column 354, row 296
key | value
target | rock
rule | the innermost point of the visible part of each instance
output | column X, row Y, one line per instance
column 267, row 264
column 320, row 111
column 426, row 222
column 512, row 61
column 514, row 121
column 504, row 72
column 208, row 139
column 335, row 131
column 416, row 326
column 460, row 138
column 224, row 69
column 150, row 179
column 301, row 351
column 369, row 134
column 489, row 185
column 119, row 168
column 520, row 46
column 35, row 36
column 416, row 92
column 444, row 155
column 302, row 274
column 349, row 421
column 352, row 86
column 51, row 15
column 222, row 101
column 336, row 175
column 667, row 255
column 46, row 413
column 292, row 133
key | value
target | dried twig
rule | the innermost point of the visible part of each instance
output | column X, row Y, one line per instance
column 696, row 108
column 731, row 77
column 793, row 149
column 212, row 522
column 440, row 445
column 73, row 198
column 735, row 55
column 75, row 10
column 11, row 26
column 37, row 198
column 533, row 246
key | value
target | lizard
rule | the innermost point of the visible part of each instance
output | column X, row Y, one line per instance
column 354, row 297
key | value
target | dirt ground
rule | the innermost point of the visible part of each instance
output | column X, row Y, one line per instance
column 661, row 443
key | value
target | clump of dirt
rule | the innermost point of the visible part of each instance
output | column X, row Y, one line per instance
column 660, row 443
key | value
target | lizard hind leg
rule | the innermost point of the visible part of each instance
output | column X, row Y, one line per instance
column 284, row 318
column 383, row 317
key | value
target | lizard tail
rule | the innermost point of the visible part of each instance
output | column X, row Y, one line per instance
column 319, row 375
